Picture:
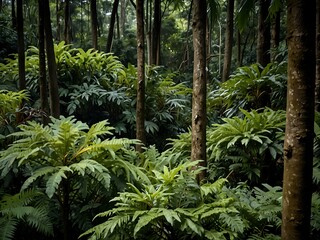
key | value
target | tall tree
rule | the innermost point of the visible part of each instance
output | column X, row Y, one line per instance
column 13, row 14
column 140, row 108
column 67, row 22
column 263, row 43
column 111, row 26
column 52, row 65
column 317, row 100
column 228, row 41
column 21, row 54
column 199, row 116
column 156, row 30
column 94, row 23
column 42, row 65
column 298, row 144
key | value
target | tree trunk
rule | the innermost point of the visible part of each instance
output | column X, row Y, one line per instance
column 140, row 109
column 21, row 53
column 199, row 116
column 275, row 34
column 156, row 29
column 67, row 37
column 263, row 44
column 317, row 100
column 94, row 23
column 13, row 14
column 42, row 66
column 228, row 41
column 123, row 17
column 52, row 66
column 112, row 22
column 298, row 144
column 58, row 35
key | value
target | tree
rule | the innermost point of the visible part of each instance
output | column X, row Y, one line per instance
column 111, row 27
column 67, row 22
column 42, row 65
column 317, row 100
column 94, row 23
column 298, row 144
column 199, row 116
column 263, row 44
column 52, row 65
column 140, row 108
column 228, row 41
column 156, row 31
column 22, row 67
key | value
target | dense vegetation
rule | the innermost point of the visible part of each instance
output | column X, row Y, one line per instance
column 80, row 176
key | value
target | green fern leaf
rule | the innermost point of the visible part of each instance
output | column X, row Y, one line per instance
column 37, row 174
column 8, row 227
column 55, row 179
column 145, row 220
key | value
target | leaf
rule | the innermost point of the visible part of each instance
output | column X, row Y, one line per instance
column 145, row 220
column 55, row 179
column 37, row 174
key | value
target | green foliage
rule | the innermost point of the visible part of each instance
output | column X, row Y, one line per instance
column 174, row 206
column 68, row 160
column 28, row 207
column 251, row 87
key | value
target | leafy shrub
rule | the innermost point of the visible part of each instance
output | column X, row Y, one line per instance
column 251, row 87
column 72, row 163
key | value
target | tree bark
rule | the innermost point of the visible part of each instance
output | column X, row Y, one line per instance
column 13, row 14
column 52, row 66
column 112, row 22
column 263, row 43
column 140, row 108
column 42, row 66
column 199, row 116
column 58, row 34
column 156, row 30
column 275, row 34
column 123, row 17
column 317, row 98
column 298, row 144
column 228, row 41
column 67, row 34
column 94, row 23
column 21, row 53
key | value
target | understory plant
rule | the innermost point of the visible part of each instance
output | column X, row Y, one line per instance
column 174, row 206
column 251, row 87
column 70, row 162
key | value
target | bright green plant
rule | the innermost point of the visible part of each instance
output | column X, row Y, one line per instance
column 28, row 207
column 66, row 159
column 251, row 87
column 173, row 207
column 247, row 147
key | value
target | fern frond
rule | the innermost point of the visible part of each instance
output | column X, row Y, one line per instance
column 8, row 227
column 54, row 180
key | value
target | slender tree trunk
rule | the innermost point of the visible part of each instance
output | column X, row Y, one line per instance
column 148, row 28
column 52, row 66
column 112, row 23
column 199, row 116
column 67, row 37
column 13, row 14
column 317, row 100
column 94, row 23
column 155, row 40
column 21, row 53
column 228, row 41
column 239, row 55
column 263, row 44
column 298, row 144
column 123, row 17
column 140, row 109
column 42, row 66
column 275, row 34
column 58, row 36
